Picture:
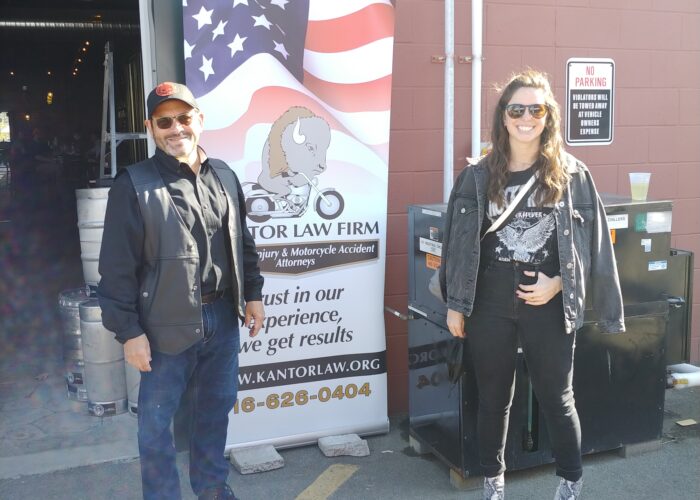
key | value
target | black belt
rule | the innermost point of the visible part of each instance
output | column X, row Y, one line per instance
column 208, row 298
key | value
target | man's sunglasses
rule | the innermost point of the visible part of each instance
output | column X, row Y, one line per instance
column 165, row 122
column 518, row 110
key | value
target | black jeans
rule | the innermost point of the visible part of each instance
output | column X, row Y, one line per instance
column 500, row 322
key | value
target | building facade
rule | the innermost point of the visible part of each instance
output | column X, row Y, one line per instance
column 656, row 48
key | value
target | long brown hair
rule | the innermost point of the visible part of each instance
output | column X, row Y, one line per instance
column 550, row 165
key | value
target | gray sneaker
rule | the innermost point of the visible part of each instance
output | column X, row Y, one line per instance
column 493, row 488
column 568, row 490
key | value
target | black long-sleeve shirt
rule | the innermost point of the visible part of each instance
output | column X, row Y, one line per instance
column 201, row 204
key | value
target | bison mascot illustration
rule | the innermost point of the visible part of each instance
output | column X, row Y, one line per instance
column 295, row 151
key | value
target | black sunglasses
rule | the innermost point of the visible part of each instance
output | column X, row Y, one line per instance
column 518, row 110
column 165, row 122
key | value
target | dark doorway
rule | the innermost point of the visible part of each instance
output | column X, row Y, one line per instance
column 51, row 86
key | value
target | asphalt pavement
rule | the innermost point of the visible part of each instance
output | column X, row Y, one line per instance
column 394, row 471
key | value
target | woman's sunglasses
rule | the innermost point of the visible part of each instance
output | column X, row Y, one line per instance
column 165, row 122
column 518, row 110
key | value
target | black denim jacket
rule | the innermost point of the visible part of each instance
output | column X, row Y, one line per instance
column 586, row 254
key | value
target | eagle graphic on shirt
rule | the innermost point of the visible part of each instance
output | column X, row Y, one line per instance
column 526, row 236
column 524, row 240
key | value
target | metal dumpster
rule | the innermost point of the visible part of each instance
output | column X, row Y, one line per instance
column 619, row 380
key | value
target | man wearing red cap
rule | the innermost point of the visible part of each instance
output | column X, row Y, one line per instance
column 179, row 268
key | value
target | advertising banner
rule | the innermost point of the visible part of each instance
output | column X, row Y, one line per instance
column 296, row 98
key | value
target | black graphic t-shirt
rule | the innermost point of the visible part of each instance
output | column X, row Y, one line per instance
column 530, row 235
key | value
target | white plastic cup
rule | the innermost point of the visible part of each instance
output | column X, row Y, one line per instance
column 639, row 185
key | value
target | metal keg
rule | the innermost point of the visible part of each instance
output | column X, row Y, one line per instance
column 69, row 301
column 105, row 377
column 133, row 382
column 92, row 205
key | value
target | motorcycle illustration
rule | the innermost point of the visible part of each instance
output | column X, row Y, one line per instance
column 263, row 205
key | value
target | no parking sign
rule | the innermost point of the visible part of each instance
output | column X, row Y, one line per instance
column 590, row 93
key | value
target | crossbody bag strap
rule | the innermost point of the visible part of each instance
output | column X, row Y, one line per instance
column 515, row 202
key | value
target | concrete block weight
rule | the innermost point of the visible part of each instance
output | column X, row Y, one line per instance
column 256, row 459
column 345, row 444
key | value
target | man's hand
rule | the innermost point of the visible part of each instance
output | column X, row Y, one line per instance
column 455, row 323
column 254, row 316
column 137, row 352
column 541, row 292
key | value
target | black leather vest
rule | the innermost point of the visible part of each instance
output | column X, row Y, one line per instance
column 170, row 303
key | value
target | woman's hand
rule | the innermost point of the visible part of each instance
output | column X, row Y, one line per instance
column 455, row 323
column 541, row 292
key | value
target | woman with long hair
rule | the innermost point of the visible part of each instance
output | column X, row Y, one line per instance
column 525, row 238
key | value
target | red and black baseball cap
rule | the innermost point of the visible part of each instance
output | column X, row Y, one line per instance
column 166, row 91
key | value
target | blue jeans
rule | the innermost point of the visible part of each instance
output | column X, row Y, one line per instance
column 499, row 323
column 212, row 365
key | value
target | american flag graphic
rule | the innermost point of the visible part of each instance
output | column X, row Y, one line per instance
column 247, row 61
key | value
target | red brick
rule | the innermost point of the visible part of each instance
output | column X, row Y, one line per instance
column 695, row 327
column 688, row 180
column 665, row 183
column 463, row 70
column 463, row 22
column 629, row 147
column 689, row 106
column 541, row 58
column 428, row 107
column 558, row 76
column 647, row 107
column 685, row 217
column 572, row 3
column 429, row 23
column 583, row 154
column 501, row 62
column 587, row 28
column 632, row 67
column 396, row 275
column 463, row 146
column 605, row 178
column 532, row 2
column 397, row 355
column 398, row 394
column 397, row 234
column 622, row 4
column 695, row 346
column 676, row 69
column 403, row 24
column 677, row 5
column 401, row 108
column 513, row 25
column 675, row 144
column 400, row 192
column 412, row 65
column 650, row 30
column 428, row 187
column 690, row 39
column 415, row 150
column 489, row 106
column 691, row 243
column 463, row 108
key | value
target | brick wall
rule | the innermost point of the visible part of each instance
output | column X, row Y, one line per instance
column 656, row 48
